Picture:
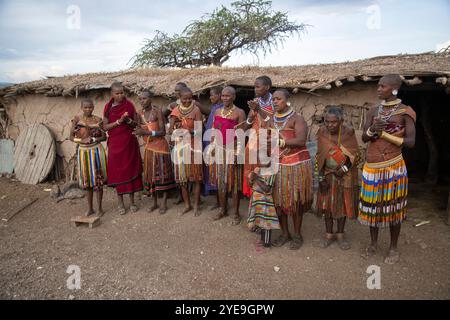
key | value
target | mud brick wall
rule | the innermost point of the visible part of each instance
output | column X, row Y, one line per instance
column 57, row 112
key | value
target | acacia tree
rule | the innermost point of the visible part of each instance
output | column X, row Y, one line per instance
column 249, row 26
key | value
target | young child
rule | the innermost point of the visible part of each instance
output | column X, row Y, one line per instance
column 262, row 213
column 91, row 157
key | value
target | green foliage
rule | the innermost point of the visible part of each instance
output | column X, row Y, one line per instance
column 249, row 26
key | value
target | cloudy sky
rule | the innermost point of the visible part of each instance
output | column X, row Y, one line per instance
column 52, row 38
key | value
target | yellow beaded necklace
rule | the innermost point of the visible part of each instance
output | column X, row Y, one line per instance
column 229, row 112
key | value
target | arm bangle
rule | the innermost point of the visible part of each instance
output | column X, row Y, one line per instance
column 267, row 119
column 117, row 122
column 249, row 123
column 77, row 140
column 370, row 133
column 392, row 139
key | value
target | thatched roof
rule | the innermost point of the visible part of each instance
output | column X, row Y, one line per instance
column 305, row 78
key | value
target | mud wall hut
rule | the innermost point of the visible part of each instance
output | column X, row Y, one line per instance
column 55, row 100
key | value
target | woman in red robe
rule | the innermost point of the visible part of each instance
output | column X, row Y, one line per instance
column 124, row 157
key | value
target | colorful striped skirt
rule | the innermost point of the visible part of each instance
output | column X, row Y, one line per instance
column 383, row 196
column 91, row 161
column 293, row 187
column 158, row 172
column 261, row 212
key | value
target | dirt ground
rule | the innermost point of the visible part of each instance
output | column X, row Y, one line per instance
column 152, row 256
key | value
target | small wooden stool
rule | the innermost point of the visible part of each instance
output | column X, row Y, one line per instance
column 92, row 221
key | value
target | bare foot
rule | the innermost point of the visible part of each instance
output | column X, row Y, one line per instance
column 186, row 210
column 236, row 220
column 152, row 208
column 197, row 212
column 162, row 210
column 222, row 213
column 370, row 251
column 392, row 257
column 101, row 212
column 121, row 210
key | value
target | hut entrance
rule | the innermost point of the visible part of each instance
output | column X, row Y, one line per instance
column 428, row 160
column 244, row 94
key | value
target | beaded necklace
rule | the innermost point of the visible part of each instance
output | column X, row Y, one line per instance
column 384, row 114
column 282, row 118
column 186, row 110
column 264, row 104
column 229, row 112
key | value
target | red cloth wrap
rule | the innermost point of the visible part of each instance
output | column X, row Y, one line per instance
column 124, row 157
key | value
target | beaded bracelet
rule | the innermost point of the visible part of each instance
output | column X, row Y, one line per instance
column 370, row 133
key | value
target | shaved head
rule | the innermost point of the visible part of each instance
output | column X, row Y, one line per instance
column 394, row 80
column 117, row 86
column 284, row 92
column 265, row 80
column 229, row 89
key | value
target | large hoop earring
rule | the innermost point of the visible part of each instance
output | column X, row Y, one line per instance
column 288, row 103
column 395, row 92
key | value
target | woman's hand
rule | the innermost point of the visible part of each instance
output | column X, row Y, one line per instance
column 86, row 140
column 251, row 178
column 378, row 125
column 123, row 117
column 253, row 104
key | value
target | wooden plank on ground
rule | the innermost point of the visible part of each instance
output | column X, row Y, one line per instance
column 92, row 221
